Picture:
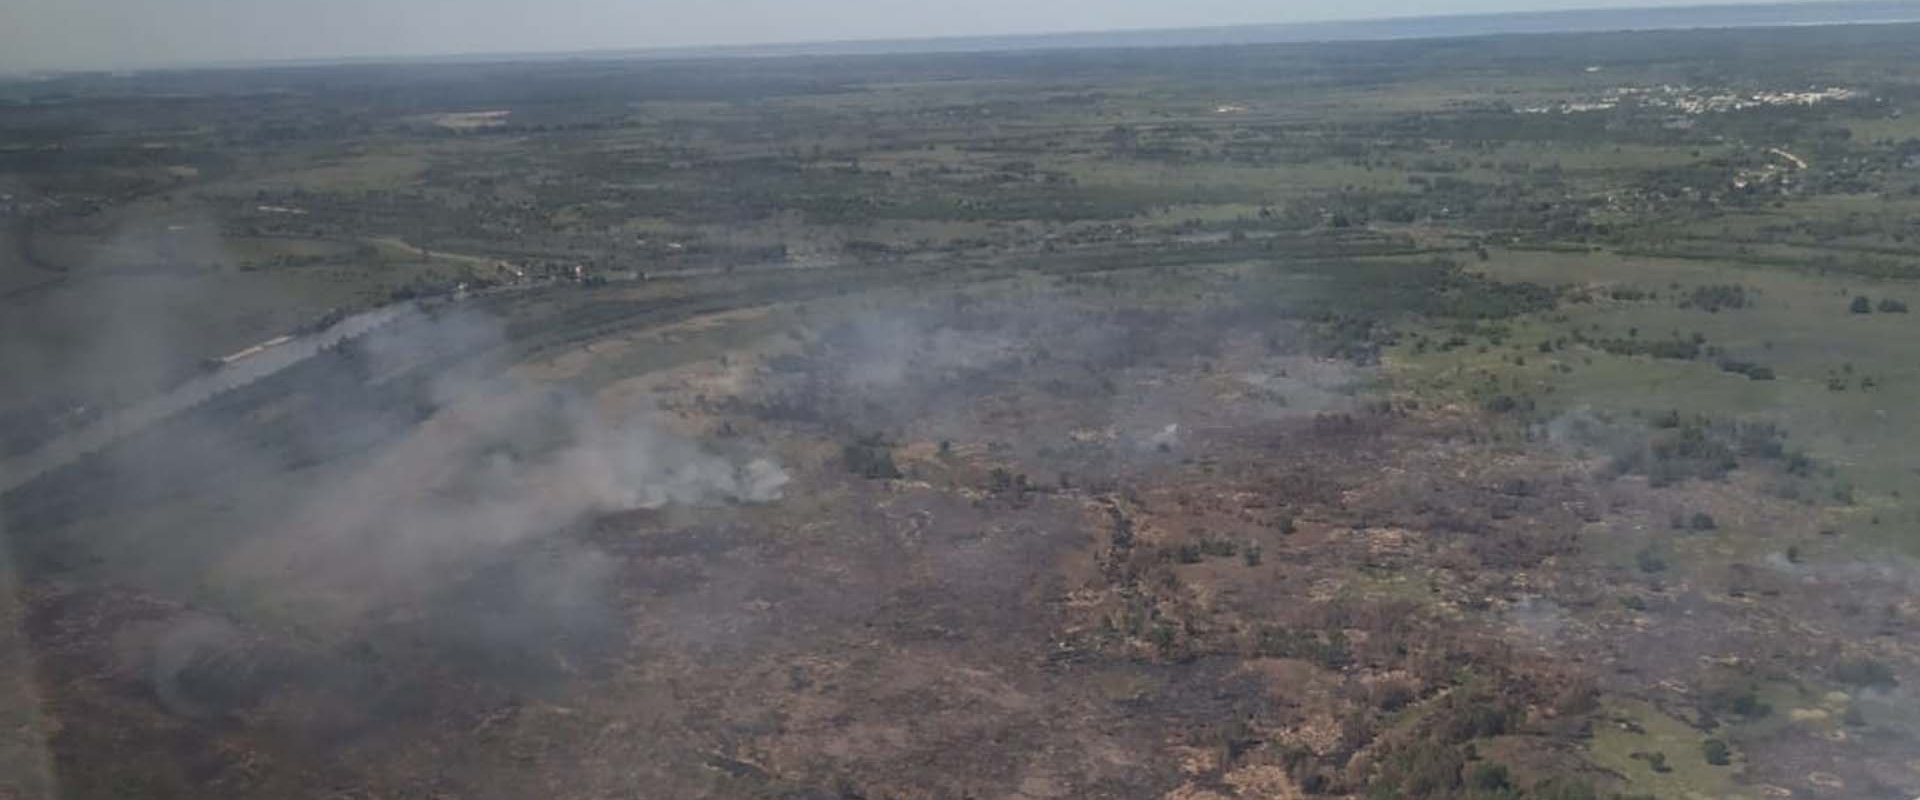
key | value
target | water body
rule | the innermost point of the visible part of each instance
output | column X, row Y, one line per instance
column 1848, row 12
column 1758, row 15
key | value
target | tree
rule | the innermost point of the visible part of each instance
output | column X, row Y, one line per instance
column 1861, row 305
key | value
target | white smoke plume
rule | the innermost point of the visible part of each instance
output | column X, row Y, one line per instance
column 501, row 461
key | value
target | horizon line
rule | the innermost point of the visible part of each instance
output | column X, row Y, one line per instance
column 1041, row 41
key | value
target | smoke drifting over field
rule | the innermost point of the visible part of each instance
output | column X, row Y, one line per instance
column 501, row 461
column 404, row 471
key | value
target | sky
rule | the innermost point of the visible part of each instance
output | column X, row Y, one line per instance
column 66, row 34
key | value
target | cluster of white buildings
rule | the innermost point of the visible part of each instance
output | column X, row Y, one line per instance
column 1694, row 101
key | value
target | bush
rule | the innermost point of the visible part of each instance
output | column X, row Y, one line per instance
column 1565, row 789
column 1702, row 521
column 1713, row 298
column 1751, row 370
column 1392, row 697
column 870, row 457
column 1716, row 752
column 1424, row 769
column 1481, row 718
column 1331, row 652
column 1865, row 673
column 1489, row 778
column 1739, row 699
column 1892, row 306
column 1698, row 448
column 1163, row 637
column 1861, row 305
column 1650, row 561
column 1676, row 349
column 1218, row 548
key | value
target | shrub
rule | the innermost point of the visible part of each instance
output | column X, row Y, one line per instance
column 1739, row 699
column 870, row 457
column 1677, row 349
column 1502, row 404
column 1482, row 717
column 1218, row 548
column 1892, row 306
column 1425, row 769
column 1163, row 637
column 1564, row 789
column 1698, row 448
column 1650, row 561
column 1751, row 370
column 1393, row 696
column 1865, row 673
column 1713, row 298
column 1861, row 305
column 1716, row 752
column 1331, row 652
column 1488, row 777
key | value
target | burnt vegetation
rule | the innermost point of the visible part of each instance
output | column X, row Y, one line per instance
column 1178, row 422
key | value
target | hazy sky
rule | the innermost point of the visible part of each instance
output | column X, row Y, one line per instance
column 101, row 33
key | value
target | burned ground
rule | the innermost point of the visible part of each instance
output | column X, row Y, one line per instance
column 1030, row 547
column 1463, row 420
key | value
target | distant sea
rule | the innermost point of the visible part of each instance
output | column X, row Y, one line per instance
column 1846, row 12
column 1757, row 15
